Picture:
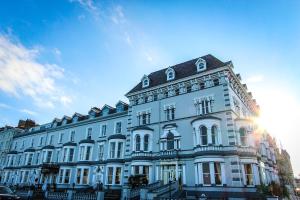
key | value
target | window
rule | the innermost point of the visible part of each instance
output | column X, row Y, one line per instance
column 29, row 161
column 103, row 130
column 120, row 150
column 82, row 176
column 85, row 176
column 214, row 135
column 118, row 127
column 32, row 142
column 170, row 73
column 78, row 176
column 201, row 65
column 248, row 174
column 37, row 158
column 146, row 142
column 112, row 149
column 72, row 136
column 243, row 136
column 216, row 82
column 110, row 175
column 145, row 81
column 85, row 152
column 88, row 153
column 60, row 138
column 67, row 176
column 118, row 175
column 51, row 140
column 23, row 144
column 206, row 173
column 204, row 105
column 169, row 112
column 41, row 140
column 137, row 143
column 71, row 155
column 49, row 156
column 203, row 135
column 89, row 134
column 143, row 117
column 61, row 175
column 218, row 177
column 101, row 152
column 170, row 141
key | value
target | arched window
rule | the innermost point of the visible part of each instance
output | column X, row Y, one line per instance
column 214, row 134
column 138, row 143
column 170, row 141
column 203, row 135
column 146, row 143
column 243, row 136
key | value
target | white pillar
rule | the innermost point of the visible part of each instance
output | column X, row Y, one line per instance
column 256, row 174
column 199, row 141
column 150, row 174
column 156, row 172
column 196, row 174
column 212, row 173
column 183, row 175
column 200, row 173
column 223, row 173
column 176, row 169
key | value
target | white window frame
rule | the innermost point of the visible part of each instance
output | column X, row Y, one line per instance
column 115, row 127
column 101, row 130
column 81, row 175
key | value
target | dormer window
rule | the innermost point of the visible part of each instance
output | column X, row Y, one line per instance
column 145, row 81
column 170, row 74
column 201, row 65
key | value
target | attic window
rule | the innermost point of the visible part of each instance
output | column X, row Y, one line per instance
column 170, row 74
column 201, row 65
column 145, row 81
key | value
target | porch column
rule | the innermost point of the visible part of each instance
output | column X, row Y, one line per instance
column 200, row 173
column 183, row 178
column 255, row 174
column 150, row 174
column 212, row 173
column 223, row 174
column 176, row 170
column 156, row 172
column 196, row 174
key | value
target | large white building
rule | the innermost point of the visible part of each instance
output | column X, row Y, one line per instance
column 191, row 122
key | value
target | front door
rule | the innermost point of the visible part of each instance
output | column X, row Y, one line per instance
column 169, row 173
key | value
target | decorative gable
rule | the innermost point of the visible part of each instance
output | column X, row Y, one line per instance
column 106, row 110
column 121, row 106
column 170, row 72
column 201, row 65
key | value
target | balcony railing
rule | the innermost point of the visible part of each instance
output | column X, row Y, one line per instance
column 250, row 150
column 169, row 153
column 141, row 154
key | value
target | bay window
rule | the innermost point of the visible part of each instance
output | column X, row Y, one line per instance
column 248, row 174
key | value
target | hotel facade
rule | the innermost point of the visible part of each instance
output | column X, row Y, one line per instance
column 191, row 122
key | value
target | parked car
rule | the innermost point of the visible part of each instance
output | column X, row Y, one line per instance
column 7, row 194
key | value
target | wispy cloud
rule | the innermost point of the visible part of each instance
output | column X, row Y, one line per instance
column 21, row 74
column 88, row 5
column 5, row 106
column 255, row 79
column 29, row 112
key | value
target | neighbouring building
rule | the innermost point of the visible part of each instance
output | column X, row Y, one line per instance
column 191, row 122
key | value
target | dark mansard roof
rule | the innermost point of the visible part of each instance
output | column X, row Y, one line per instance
column 182, row 70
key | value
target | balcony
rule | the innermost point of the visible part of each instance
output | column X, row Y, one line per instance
column 169, row 153
column 141, row 154
column 224, row 149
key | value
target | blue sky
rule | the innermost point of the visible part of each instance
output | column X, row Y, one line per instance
column 64, row 56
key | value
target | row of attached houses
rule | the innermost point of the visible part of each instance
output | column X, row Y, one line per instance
column 191, row 122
